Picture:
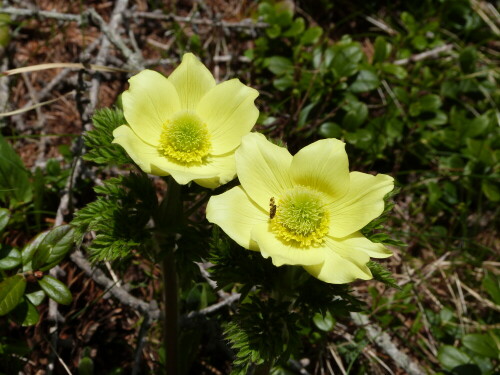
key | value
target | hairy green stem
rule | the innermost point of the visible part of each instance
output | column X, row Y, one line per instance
column 170, row 326
column 169, row 221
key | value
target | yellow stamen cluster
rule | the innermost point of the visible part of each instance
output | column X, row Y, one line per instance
column 301, row 217
column 185, row 138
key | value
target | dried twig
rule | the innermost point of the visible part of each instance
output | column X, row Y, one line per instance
column 114, row 290
column 381, row 25
column 244, row 24
column 133, row 59
column 384, row 341
column 44, row 14
column 477, row 296
column 433, row 53
column 232, row 298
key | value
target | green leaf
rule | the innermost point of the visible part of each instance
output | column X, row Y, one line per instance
column 451, row 357
column 297, row 28
column 361, row 138
column 284, row 82
column 436, row 118
column 345, row 59
column 366, row 80
column 311, row 35
column 482, row 344
column 9, row 258
column 396, row 70
column 86, row 366
column 4, row 218
column 304, row 114
column 330, row 130
column 56, row 290
column 382, row 274
column 58, row 242
column 36, row 297
column 382, row 49
column 279, row 65
column 477, row 127
column 491, row 190
column 25, row 313
column 491, row 284
column 11, row 292
column 409, row 22
column 467, row 60
column 98, row 141
column 357, row 113
column 30, row 249
column 324, row 323
column 15, row 185
column 430, row 103
column 273, row 31
column 419, row 42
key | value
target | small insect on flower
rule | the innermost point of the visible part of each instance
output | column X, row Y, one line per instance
column 272, row 208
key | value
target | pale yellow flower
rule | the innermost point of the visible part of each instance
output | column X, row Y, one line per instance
column 303, row 210
column 186, row 125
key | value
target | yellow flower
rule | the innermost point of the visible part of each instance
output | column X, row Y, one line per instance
column 186, row 125
column 303, row 210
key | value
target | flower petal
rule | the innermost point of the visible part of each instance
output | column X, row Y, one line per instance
column 282, row 253
column 229, row 111
column 323, row 166
column 362, row 203
column 236, row 214
column 215, row 167
column 227, row 171
column 192, row 80
column 216, row 171
column 262, row 168
column 140, row 152
column 357, row 242
column 150, row 100
column 337, row 269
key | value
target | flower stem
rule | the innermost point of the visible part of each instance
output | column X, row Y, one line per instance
column 170, row 330
column 169, row 221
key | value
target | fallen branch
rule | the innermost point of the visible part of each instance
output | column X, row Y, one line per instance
column 246, row 23
column 118, row 292
column 133, row 59
column 232, row 298
column 383, row 340
column 433, row 53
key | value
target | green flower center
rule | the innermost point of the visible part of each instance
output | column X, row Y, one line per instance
column 185, row 138
column 300, row 217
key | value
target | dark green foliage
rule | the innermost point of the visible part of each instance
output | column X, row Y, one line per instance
column 277, row 302
column 15, row 187
column 372, row 230
column 233, row 264
column 100, row 148
column 262, row 332
column 56, row 290
column 19, row 271
column 119, row 217
column 382, row 274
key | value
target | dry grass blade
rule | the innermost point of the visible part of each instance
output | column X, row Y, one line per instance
column 26, row 109
column 36, row 68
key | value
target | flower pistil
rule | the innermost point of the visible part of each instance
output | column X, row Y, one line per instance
column 185, row 138
column 301, row 217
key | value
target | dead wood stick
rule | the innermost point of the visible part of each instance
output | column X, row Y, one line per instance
column 383, row 340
